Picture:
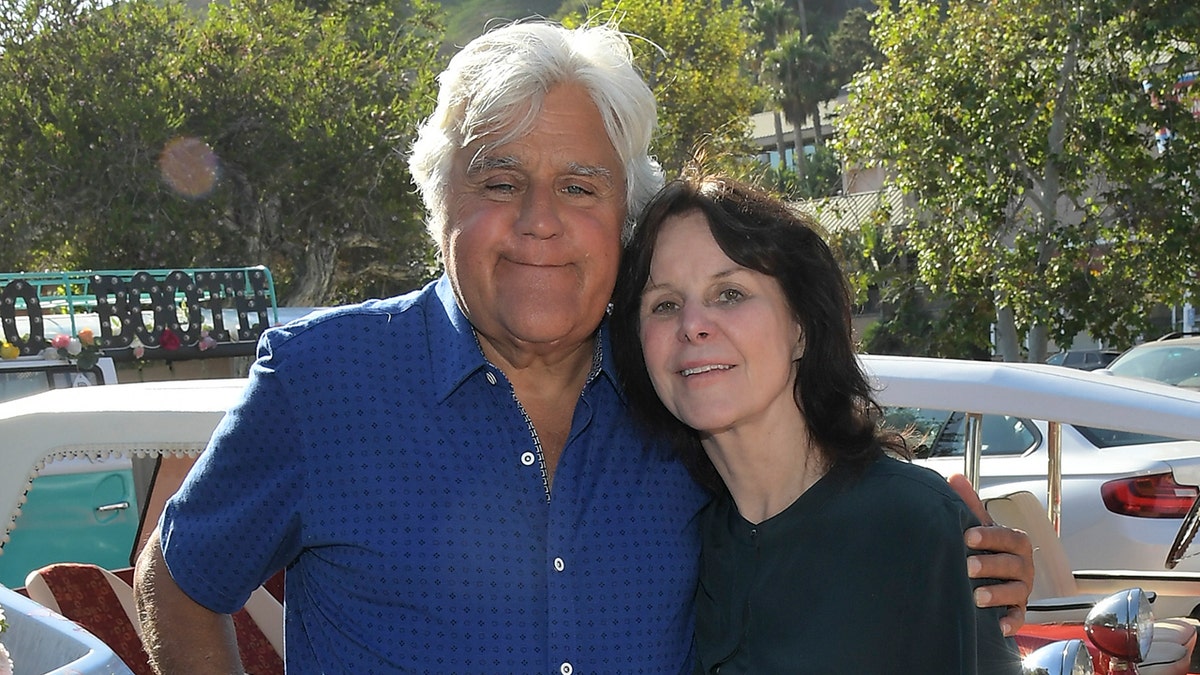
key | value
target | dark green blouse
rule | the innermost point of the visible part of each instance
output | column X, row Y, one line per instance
column 861, row 575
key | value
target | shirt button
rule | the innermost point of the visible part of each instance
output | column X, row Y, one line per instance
column 491, row 378
column 559, row 564
column 566, row 669
column 527, row 458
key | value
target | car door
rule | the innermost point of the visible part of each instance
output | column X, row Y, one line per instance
column 78, row 510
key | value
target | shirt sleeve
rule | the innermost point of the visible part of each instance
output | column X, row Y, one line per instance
column 235, row 520
column 949, row 633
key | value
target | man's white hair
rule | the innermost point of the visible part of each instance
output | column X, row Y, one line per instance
column 496, row 85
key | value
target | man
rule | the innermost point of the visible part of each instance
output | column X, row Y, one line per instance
column 450, row 477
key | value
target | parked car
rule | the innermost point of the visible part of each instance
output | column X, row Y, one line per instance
column 1084, row 359
column 1172, row 359
column 1123, row 492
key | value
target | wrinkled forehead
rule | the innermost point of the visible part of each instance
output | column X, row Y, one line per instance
column 490, row 121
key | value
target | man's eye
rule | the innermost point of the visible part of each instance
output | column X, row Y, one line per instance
column 501, row 187
column 578, row 190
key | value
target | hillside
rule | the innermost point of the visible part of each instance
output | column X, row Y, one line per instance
column 466, row 19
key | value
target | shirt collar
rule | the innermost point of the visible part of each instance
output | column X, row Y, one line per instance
column 454, row 351
column 456, row 355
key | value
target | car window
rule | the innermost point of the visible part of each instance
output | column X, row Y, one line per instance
column 940, row 433
column 1109, row 438
column 1057, row 359
column 20, row 382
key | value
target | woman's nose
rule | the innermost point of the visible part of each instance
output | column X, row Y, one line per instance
column 695, row 325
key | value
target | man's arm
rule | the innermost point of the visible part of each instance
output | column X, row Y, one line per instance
column 180, row 635
column 1011, row 560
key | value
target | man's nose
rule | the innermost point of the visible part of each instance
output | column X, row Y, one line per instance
column 539, row 214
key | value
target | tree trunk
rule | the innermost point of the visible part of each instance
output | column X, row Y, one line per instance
column 798, row 139
column 1039, row 338
column 779, row 143
column 816, row 118
column 1007, row 346
column 314, row 275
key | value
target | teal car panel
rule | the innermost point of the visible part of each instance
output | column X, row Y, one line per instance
column 73, row 517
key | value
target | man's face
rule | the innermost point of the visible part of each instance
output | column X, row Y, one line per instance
column 534, row 227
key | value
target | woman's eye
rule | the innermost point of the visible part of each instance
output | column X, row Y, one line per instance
column 663, row 307
column 730, row 295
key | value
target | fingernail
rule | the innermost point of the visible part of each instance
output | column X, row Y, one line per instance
column 973, row 538
column 982, row 596
column 974, row 567
column 1006, row 629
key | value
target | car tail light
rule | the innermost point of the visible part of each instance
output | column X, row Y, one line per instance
column 1153, row 496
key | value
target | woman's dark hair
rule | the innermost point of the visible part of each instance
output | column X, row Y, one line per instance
column 760, row 233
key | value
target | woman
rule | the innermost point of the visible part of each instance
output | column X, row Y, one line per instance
column 731, row 327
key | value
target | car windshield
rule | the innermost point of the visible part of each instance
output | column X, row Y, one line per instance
column 1174, row 364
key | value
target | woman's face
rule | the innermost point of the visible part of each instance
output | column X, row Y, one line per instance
column 719, row 339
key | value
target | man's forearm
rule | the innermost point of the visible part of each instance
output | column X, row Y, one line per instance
column 180, row 636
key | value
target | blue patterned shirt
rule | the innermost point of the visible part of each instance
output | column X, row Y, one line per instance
column 381, row 459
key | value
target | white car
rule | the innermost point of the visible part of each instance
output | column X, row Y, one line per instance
column 1123, row 493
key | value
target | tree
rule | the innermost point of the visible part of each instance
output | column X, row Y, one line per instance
column 692, row 54
column 1021, row 130
column 800, row 67
column 140, row 135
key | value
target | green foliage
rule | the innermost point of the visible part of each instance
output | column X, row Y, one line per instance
column 822, row 179
column 1021, row 130
column 912, row 329
column 800, row 73
column 691, row 52
column 139, row 135
column 465, row 19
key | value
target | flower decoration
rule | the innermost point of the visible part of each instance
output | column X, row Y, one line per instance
column 81, row 349
column 6, row 664
column 169, row 340
column 207, row 341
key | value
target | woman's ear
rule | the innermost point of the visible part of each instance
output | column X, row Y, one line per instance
column 798, row 350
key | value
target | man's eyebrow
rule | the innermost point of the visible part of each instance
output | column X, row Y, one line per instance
column 481, row 163
column 590, row 171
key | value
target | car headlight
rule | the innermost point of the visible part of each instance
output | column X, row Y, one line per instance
column 1122, row 625
column 1065, row 657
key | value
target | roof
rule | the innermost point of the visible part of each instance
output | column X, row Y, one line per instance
column 849, row 212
